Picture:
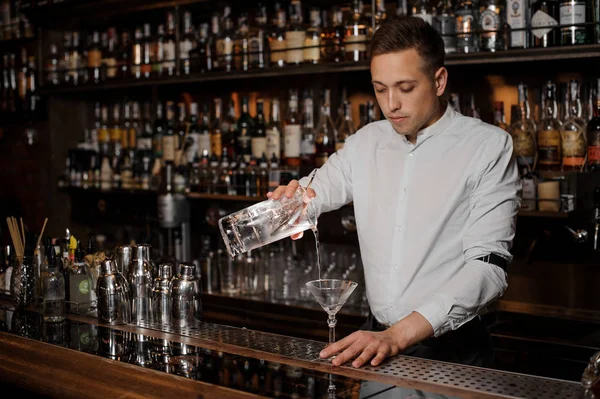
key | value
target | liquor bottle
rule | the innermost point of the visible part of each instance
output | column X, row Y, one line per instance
column 307, row 148
column 258, row 39
column 295, row 35
column 52, row 66
column 144, row 142
column 180, row 129
column 75, row 59
column 491, row 19
column 226, row 43
column 126, row 126
column 169, row 140
column 549, row 148
column 216, row 134
column 199, row 55
column 326, row 133
column 229, row 130
column 274, row 131
column 53, row 290
column 195, row 180
column 245, row 125
column 346, row 128
column 259, row 134
column 573, row 12
column 277, row 43
column 193, row 139
column 109, row 57
column 445, row 23
column 466, row 25
column 312, row 42
column 212, row 53
column 573, row 133
column 517, row 19
column 168, row 65
column 22, row 78
column 187, row 44
column 545, row 17
column 204, row 139
column 14, row 95
column 124, row 57
column 147, row 52
column 357, row 34
column 94, row 58
column 499, row 119
column 158, row 58
column 135, row 129
column 103, row 131
column 241, row 44
column 137, row 53
column 402, row 8
column 523, row 130
column 380, row 13
column 335, row 42
column 593, row 135
column 115, row 132
column 421, row 9
column 159, row 131
column 292, row 132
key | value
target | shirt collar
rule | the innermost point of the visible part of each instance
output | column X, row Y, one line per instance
column 436, row 128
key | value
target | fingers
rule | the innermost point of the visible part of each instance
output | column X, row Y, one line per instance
column 277, row 193
column 381, row 355
column 349, row 354
column 291, row 188
column 309, row 195
column 297, row 236
column 337, row 347
column 366, row 355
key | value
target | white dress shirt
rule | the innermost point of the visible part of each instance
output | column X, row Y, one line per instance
column 424, row 212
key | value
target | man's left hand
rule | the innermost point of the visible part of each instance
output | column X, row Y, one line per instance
column 365, row 346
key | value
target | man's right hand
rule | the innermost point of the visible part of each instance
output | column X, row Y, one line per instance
column 288, row 191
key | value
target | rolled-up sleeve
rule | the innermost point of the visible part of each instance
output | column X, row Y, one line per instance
column 490, row 229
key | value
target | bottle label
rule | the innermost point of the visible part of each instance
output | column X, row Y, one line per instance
column 464, row 24
column 115, row 135
column 225, row 49
column 524, row 145
column 516, row 20
column 542, row 20
column 256, row 46
column 529, row 194
column 447, row 26
column 216, row 145
column 273, row 143
column 549, row 148
column 356, row 43
column 308, row 145
column 169, row 54
column 168, row 148
column 94, row 59
column 111, row 67
column 594, row 154
column 572, row 13
column 204, row 143
column 295, row 40
column 184, row 49
column 144, row 143
column 312, row 51
column 574, row 148
column 277, row 47
column 259, row 146
column 489, row 20
column 292, row 137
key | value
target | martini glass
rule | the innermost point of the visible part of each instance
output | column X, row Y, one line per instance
column 331, row 295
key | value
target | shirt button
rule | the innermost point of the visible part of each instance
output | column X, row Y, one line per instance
column 411, row 154
column 403, row 191
column 398, row 228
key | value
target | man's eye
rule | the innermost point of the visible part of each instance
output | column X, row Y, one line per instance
column 407, row 90
column 380, row 90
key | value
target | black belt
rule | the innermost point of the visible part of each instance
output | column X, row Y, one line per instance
column 494, row 260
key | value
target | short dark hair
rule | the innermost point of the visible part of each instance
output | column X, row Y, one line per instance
column 403, row 33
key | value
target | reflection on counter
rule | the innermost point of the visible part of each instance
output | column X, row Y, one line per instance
column 237, row 372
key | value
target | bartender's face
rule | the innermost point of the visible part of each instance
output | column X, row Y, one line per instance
column 406, row 91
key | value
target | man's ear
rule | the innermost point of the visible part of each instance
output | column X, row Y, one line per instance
column 441, row 80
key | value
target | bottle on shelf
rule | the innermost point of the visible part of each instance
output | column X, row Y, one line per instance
column 75, row 60
column 295, row 35
column 573, row 135
column 307, row 148
column 137, row 53
column 225, row 43
column 422, row 9
column 357, row 34
column 52, row 66
column 274, row 131
column 169, row 50
column 466, row 25
column 147, row 52
column 277, row 42
column 491, row 20
column 187, row 44
column 572, row 15
column 445, row 23
column 259, row 134
column 212, row 51
column 544, row 19
column 258, row 39
column 158, row 58
column 216, row 134
column 312, row 42
column 549, row 141
column 524, row 130
column 334, row 45
column 245, row 126
column 325, row 133
column 346, row 128
column 109, row 64
column 518, row 19
column 499, row 119
column 380, row 13
column 241, row 47
column 124, row 57
column 199, row 55
column 593, row 135
column 292, row 132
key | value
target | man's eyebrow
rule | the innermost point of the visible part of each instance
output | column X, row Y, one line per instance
column 396, row 83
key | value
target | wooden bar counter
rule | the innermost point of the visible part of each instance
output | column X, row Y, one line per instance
column 83, row 358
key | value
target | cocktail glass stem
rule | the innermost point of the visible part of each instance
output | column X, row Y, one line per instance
column 331, row 321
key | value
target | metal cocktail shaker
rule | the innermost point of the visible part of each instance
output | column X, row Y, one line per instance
column 142, row 251
column 140, row 282
column 163, row 303
column 186, row 291
column 113, row 300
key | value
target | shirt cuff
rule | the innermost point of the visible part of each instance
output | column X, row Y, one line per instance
column 436, row 314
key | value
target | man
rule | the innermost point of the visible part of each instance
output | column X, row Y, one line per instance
column 436, row 196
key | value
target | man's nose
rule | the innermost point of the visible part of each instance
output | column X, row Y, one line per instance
column 394, row 102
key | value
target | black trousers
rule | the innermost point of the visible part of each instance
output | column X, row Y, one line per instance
column 471, row 344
